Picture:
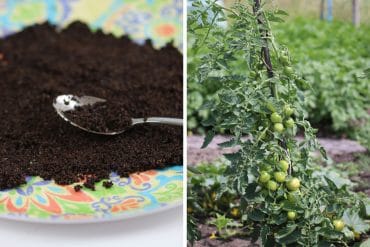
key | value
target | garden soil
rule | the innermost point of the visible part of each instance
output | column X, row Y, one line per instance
column 40, row 63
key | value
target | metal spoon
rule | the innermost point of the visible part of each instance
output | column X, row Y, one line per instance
column 68, row 102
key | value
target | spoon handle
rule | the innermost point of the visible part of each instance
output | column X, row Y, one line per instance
column 162, row 120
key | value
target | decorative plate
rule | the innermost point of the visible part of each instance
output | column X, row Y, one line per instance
column 142, row 193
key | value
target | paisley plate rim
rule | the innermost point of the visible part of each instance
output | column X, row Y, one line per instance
column 118, row 217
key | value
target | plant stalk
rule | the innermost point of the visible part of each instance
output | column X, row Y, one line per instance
column 265, row 51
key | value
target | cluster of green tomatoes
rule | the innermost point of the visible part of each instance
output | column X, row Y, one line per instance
column 277, row 120
column 272, row 181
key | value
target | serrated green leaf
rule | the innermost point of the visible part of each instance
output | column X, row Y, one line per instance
column 256, row 215
column 288, row 235
column 366, row 243
column 354, row 221
column 208, row 139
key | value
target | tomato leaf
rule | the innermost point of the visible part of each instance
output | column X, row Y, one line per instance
column 365, row 244
column 257, row 215
column 233, row 157
column 232, row 142
column 354, row 221
column 330, row 233
column 288, row 235
column 250, row 192
column 193, row 170
column 208, row 139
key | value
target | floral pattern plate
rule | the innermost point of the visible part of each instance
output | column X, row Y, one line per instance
column 141, row 193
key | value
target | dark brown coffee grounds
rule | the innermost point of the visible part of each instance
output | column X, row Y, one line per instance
column 77, row 187
column 39, row 63
column 108, row 184
column 90, row 183
column 101, row 117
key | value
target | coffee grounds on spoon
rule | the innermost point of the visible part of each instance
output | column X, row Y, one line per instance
column 39, row 63
column 102, row 117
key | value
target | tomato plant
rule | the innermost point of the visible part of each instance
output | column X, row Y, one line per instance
column 331, row 57
column 271, row 178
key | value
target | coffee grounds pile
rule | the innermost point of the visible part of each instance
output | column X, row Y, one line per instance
column 101, row 117
column 40, row 63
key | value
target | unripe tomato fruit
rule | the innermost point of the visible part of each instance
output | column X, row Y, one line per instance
column 293, row 184
column 272, row 185
column 235, row 212
column 288, row 71
column 213, row 196
column 289, row 123
column 338, row 225
column 292, row 197
column 278, row 127
column 280, row 176
column 288, row 111
column 284, row 59
column 283, row 165
column 276, row 118
column 264, row 177
column 292, row 215
column 356, row 235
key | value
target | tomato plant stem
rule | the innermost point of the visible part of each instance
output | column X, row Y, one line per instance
column 265, row 51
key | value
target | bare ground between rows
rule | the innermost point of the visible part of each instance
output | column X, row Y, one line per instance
column 340, row 150
column 206, row 231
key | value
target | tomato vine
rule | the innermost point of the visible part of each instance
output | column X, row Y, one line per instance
column 282, row 200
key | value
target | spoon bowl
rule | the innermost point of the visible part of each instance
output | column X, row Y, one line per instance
column 69, row 102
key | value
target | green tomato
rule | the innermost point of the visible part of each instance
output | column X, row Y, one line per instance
column 289, row 123
column 357, row 235
column 293, row 184
column 266, row 168
column 288, row 71
column 276, row 118
column 284, row 59
column 235, row 212
column 292, row 215
column 252, row 74
column 203, row 114
column 288, row 111
column 283, row 165
column 338, row 225
column 292, row 197
column 278, row 127
column 192, row 123
column 280, row 176
column 195, row 99
column 272, row 185
column 264, row 177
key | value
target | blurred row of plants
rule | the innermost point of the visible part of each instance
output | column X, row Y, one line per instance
column 332, row 57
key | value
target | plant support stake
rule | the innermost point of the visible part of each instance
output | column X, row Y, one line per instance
column 356, row 12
